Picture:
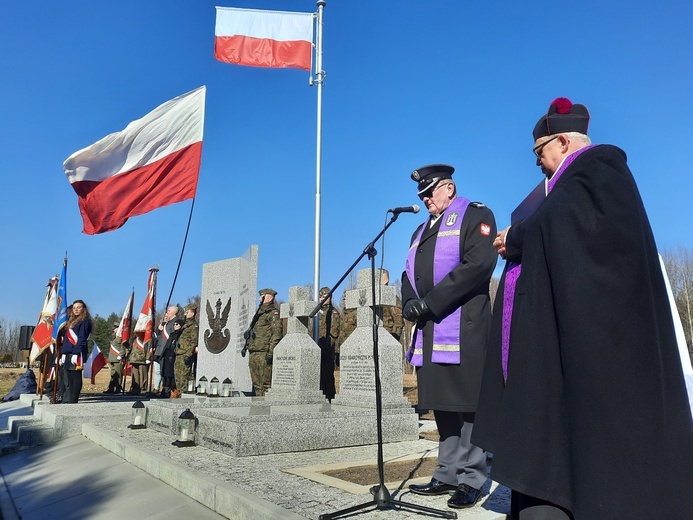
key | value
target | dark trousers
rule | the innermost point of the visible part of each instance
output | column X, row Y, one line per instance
column 73, row 386
column 459, row 461
column 116, row 377
column 525, row 507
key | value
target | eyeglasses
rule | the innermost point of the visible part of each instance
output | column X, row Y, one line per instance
column 539, row 149
column 429, row 192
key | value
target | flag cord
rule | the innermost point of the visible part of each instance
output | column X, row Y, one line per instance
column 180, row 259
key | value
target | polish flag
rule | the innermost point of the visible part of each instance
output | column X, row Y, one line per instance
column 276, row 39
column 95, row 362
column 153, row 162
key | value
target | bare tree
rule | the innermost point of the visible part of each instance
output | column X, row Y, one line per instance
column 9, row 336
column 679, row 265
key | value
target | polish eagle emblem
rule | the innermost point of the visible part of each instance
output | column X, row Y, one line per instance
column 217, row 336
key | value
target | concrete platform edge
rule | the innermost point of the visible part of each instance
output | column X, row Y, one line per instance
column 221, row 497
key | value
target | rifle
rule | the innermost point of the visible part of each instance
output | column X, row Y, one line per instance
column 247, row 333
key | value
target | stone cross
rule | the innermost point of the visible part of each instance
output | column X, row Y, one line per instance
column 296, row 361
column 357, row 371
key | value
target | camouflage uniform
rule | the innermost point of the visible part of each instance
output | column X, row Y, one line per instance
column 138, row 360
column 327, row 341
column 187, row 346
column 116, row 352
column 263, row 338
column 392, row 319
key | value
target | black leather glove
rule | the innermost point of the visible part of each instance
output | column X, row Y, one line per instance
column 246, row 335
column 268, row 358
column 414, row 310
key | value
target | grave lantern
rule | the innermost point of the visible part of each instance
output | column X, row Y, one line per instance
column 226, row 387
column 186, row 430
column 190, row 385
column 202, row 386
column 139, row 416
column 214, row 387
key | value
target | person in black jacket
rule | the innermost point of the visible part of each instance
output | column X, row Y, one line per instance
column 583, row 400
column 74, row 350
column 445, row 292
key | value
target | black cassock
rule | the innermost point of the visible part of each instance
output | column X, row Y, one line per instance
column 594, row 414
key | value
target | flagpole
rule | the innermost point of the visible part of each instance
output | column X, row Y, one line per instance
column 319, row 78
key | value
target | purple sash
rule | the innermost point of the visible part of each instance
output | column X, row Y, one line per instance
column 514, row 270
column 446, row 334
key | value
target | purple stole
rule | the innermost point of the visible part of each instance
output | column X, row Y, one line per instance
column 514, row 270
column 446, row 334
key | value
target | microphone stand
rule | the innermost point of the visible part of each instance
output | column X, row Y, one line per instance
column 381, row 496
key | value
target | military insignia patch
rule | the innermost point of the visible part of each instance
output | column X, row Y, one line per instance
column 452, row 218
column 485, row 229
column 415, row 175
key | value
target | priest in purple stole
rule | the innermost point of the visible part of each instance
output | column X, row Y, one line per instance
column 445, row 292
column 583, row 401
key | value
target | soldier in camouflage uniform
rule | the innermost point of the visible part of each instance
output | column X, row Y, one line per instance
column 139, row 359
column 186, row 353
column 392, row 314
column 116, row 352
column 264, row 336
column 329, row 323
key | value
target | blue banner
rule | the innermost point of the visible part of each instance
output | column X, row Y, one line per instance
column 61, row 315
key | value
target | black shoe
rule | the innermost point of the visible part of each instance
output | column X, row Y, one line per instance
column 108, row 392
column 465, row 496
column 434, row 487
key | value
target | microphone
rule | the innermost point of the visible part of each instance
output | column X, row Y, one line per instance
column 405, row 209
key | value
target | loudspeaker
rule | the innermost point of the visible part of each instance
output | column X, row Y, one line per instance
column 25, row 333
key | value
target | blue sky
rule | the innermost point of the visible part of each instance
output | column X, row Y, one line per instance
column 409, row 83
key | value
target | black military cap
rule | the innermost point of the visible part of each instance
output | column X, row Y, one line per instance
column 268, row 291
column 563, row 116
column 429, row 176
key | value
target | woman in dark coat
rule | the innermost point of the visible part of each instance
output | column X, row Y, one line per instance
column 74, row 350
column 168, row 359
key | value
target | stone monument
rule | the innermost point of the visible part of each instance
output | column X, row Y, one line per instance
column 227, row 305
column 296, row 362
column 357, row 370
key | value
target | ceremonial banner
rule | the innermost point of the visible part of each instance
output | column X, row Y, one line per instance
column 258, row 38
column 123, row 331
column 144, row 327
column 153, row 162
column 61, row 315
column 42, row 337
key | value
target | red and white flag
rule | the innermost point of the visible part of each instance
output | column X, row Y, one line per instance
column 95, row 362
column 153, row 162
column 123, row 331
column 258, row 38
column 144, row 328
column 42, row 337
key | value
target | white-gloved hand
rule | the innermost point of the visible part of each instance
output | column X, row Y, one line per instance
column 149, row 361
column 62, row 359
column 73, row 359
column 118, row 358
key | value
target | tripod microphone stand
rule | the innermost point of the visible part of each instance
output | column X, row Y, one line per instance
column 381, row 497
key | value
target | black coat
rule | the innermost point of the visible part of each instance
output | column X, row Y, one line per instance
column 594, row 414
column 455, row 388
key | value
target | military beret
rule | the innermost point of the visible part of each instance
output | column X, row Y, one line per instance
column 563, row 116
column 324, row 291
column 427, row 176
column 191, row 307
column 268, row 291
